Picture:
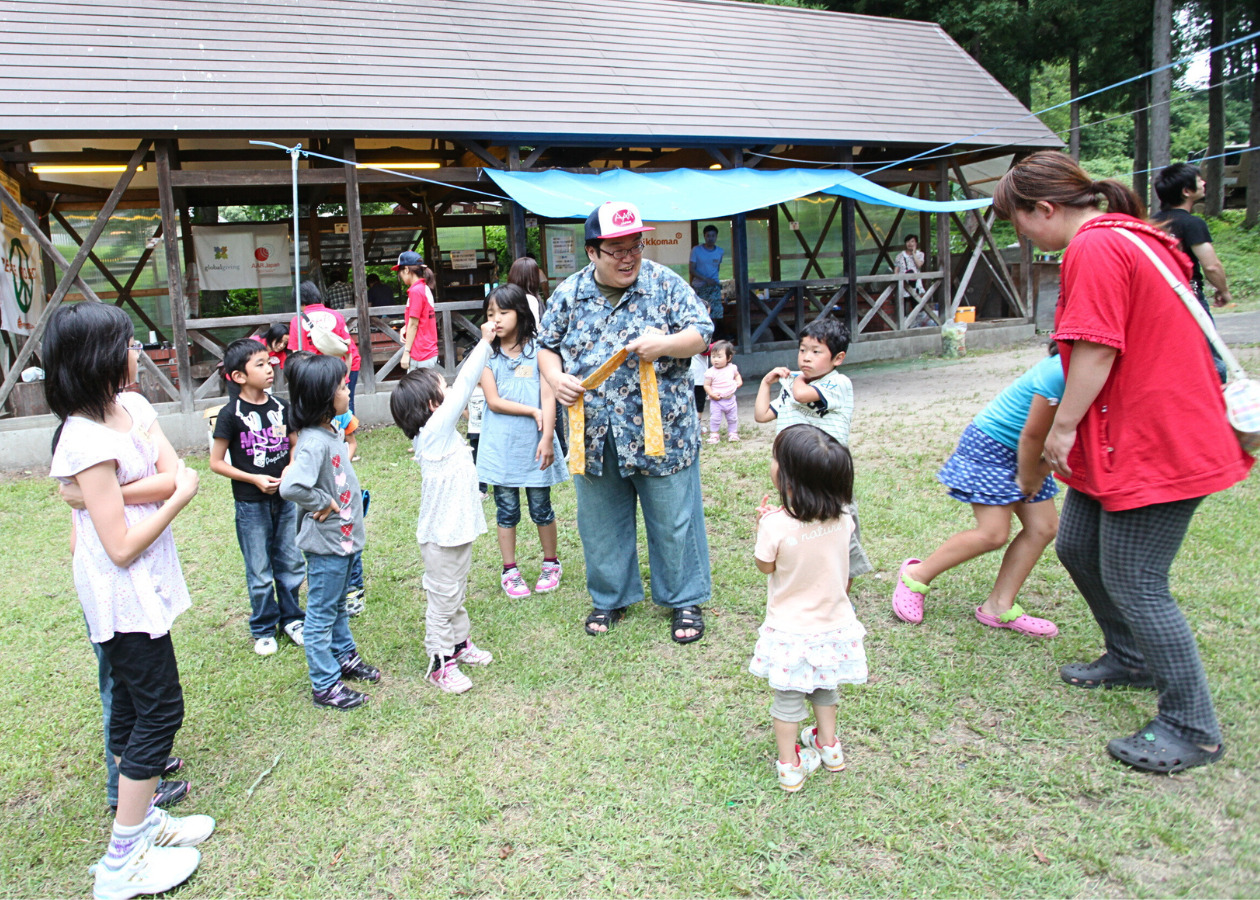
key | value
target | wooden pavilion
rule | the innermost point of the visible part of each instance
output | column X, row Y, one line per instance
column 170, row 98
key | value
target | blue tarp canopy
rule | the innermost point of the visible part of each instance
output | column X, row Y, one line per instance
column 685, row 194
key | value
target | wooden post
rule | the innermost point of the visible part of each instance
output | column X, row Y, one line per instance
column 174, row 279
column 1026, row 263
column 942, row 242
column 848, row 226
column 71, row 273
column 743, row 302
column 354, row 214
column 518, row 243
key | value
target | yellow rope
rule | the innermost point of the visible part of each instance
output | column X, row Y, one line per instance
column 654, row 432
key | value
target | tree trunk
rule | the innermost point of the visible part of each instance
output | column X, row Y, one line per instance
column 1214, row 165
column 1074, row 85
column 1253, row 158
column 1141, row 146
column 1161, row 85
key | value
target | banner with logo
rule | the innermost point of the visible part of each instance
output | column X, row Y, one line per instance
column 21, row 282
column 669, row 244
column 242, row 256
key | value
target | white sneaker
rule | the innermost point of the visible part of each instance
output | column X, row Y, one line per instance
column 356, row 601
column 792, row 778
column 145, row 870
column 513, row 584
column 294, row 631
column 266, row 646
column 166, row 830
column 449, row 678
column 832, row 757
column 473, row 655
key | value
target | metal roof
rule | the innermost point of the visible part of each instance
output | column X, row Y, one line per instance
column 650, row 72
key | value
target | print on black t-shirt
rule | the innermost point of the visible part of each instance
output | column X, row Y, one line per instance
column 257, row 438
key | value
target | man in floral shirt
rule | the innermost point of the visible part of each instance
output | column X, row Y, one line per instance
column 621, row 301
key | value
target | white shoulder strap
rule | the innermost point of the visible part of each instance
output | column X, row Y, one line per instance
column 1191, row 301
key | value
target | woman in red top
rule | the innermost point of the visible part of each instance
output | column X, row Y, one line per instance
column 313, row 307
column 1138, row 446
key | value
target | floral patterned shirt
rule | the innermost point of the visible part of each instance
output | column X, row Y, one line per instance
column 585, row 330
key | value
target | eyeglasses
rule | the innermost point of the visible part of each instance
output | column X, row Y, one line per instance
column 619, row 255
column 134, row 344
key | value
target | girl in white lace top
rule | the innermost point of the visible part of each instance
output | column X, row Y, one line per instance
column 450, row 508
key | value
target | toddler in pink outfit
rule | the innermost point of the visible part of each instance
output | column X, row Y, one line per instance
column 721, row 381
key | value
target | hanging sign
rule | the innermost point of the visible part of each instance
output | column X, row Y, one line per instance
column 7, row 218
column 561, row 250
column 463, row 259
column 21, row 282
column 669, row 244
column 242, row 256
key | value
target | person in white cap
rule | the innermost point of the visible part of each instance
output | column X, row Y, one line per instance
column 622, row 301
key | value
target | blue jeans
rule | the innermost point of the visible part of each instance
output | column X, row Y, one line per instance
column 327, row 631
column 356, row 571
column 105, row 681
column 354, row 381
column 274, row 571
column 673, row 517
column 507, row 503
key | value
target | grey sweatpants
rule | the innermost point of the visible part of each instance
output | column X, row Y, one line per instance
column 1119, row 562
column 445, row 585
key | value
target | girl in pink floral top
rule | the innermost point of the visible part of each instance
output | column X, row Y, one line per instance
column 128, row 578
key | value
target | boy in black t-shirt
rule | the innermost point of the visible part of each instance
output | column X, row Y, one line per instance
column 253, row 431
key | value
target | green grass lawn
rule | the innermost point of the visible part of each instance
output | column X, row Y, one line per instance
column 627, row 765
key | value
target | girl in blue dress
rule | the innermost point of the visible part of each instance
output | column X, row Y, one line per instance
column 518, row 446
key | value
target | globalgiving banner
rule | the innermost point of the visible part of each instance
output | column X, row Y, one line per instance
column 242, row 256
column 21, row 282
column 669, row 244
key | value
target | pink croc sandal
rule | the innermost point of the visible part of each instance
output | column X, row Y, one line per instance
column 908, row 596
column 1017, row 620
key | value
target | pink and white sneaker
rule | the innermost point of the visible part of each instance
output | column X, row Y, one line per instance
column 832, row 757
column 513, row 584
column 449, row 678
column 549, row 579
column 473, row 655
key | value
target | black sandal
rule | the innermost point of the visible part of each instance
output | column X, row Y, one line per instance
column 606, row 617
column 1105, row 672
column 1155, row 749
column 687, row 617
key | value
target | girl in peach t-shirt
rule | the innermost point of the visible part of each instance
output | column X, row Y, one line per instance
column 811, row 641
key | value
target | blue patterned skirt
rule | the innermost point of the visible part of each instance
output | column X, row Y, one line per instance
column 983, row 471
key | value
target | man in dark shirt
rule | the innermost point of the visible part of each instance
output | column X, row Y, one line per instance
column 1179, row 187
column 379, row 294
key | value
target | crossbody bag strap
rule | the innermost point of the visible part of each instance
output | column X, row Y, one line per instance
column 1192, row 303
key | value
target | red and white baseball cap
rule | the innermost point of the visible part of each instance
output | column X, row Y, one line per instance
column 614, row 220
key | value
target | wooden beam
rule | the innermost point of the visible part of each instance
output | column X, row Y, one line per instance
column 71, row 273
column 944, row 262
column 848, row 226
column 534, row 156
column 354, row 212
column 477, row 150
column 517, row 241
column 174, row 278
column 239, row 178
column 158, row 375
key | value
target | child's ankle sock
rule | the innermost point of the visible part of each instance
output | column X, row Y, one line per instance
column 509, row 567
column 551, row 559
column 121, row 843
column 459, row 647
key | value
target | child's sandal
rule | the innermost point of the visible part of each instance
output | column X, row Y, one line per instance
column 907, row 601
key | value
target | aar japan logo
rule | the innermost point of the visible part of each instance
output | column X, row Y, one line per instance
column 623, row 217
column 262, row 254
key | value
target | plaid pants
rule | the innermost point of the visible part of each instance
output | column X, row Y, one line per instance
column 1119, row 562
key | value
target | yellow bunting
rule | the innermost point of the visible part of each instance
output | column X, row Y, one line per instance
column 654, row 433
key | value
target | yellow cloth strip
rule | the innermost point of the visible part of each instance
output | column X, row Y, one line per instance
column 654, row 432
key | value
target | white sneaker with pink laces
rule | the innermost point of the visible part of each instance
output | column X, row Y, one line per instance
column 449, row 678
column 549, row 578
column 832, row 757
column 473, row 655
column 513, row 584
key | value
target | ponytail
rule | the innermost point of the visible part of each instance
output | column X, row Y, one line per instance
column 1054, row 177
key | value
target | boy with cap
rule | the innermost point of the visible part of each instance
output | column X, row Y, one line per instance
column 420, row 347
column 624, row 302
